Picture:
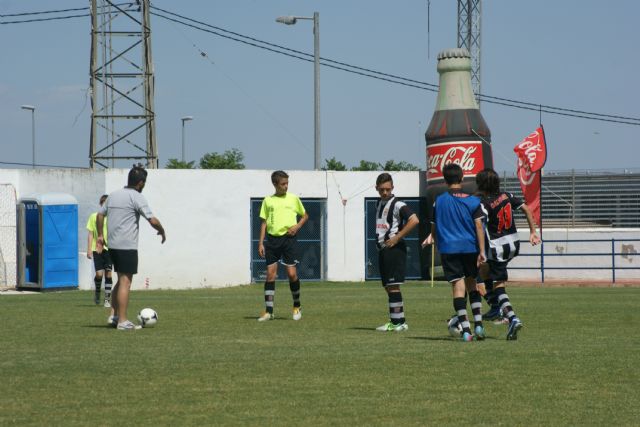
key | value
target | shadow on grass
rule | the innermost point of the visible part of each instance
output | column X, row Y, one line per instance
column 446, row 338
column 433, row 338
column 256, row 318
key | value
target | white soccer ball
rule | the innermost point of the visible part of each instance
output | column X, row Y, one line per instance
column 147, row 317
column 455, row 328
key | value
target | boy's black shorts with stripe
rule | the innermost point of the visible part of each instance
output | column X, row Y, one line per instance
column 281, row 248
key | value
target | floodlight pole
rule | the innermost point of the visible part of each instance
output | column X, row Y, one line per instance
column 291, row 20
column 33, row 133
column 184, row 119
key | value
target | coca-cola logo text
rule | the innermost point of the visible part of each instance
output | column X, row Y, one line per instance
column 467, row 154
column 532, row 151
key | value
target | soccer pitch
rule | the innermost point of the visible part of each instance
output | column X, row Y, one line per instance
column 208, row 362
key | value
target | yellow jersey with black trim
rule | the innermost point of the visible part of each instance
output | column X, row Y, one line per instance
column 281, row 213
column 92, row 227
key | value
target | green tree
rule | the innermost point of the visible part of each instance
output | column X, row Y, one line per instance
column 367, row 166
column 333, row 165
column 391, row 165
column 179, row 164
column 230, row 159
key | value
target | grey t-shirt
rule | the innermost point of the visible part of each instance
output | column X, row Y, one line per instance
column 123, row 208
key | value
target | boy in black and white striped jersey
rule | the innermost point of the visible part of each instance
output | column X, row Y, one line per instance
column 394, row 220
column 503, row 243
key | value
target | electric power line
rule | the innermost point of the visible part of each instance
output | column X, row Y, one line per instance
column 43, row 12
column 42, row 165
column 365, row 72
column 53, row 18
column 413, row 83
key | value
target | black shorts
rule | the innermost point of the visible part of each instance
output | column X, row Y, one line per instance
column 498, row 271
column 125, row 260
column 393, row 264
column 459, row 266
column 281, row 248
column 102, row 261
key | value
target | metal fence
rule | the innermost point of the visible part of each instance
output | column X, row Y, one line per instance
column 589, row 254
column 311, row 243
column 585, row 199
column 372, row 270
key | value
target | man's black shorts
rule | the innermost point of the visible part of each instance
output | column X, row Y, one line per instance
column 498, row 271
column 393, row 264
column 281, row 248
column 459, row 266
column 102, row 261
column 125, row 260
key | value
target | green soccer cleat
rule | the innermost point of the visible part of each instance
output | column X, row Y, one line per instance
column 387, row 327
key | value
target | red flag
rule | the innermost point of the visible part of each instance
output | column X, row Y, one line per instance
column 532, row 155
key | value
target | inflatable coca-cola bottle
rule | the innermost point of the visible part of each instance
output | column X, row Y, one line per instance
column 457, row 132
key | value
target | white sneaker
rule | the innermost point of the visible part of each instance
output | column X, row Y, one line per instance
column 265, row 316
column 107, row 303
column 127, row 325
column 297, row 313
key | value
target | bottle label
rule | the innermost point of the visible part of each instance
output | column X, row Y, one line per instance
column 467, row 154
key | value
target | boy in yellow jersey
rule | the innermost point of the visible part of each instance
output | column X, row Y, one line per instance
column 280, row 225
column 101, row 261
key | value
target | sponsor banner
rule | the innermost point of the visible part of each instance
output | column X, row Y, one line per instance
column 532, row 151
column 467, row 154
column 532, row 155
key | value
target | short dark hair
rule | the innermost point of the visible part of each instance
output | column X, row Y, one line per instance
column 277, row 176
column 452, row 173
column 136, row 174
column 103, row 198
column 488, row 181
column 384, row 177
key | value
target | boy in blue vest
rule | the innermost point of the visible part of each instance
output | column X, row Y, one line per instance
column 458, row 232
column 394, row 220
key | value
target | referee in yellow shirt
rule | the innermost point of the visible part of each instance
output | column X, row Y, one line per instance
column 280, row 224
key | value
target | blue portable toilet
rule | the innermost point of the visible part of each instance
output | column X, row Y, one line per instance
column 47, row 237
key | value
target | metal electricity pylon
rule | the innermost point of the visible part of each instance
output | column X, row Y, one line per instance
column 469, row 19
column 122, row 85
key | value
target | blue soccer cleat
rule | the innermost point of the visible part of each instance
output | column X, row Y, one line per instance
column 514, row 327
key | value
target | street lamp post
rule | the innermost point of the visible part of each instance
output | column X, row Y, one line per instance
column 184, row 119
column 291, row 20
column 33, row 133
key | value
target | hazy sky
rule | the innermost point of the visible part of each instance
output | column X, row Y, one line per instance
column 579, row 55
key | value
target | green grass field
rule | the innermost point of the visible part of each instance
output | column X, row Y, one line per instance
column 208, row 362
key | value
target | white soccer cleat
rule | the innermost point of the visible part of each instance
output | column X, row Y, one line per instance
column 297, row 313
column 265, row 316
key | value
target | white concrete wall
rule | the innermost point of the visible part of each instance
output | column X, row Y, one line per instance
column 206, row 214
